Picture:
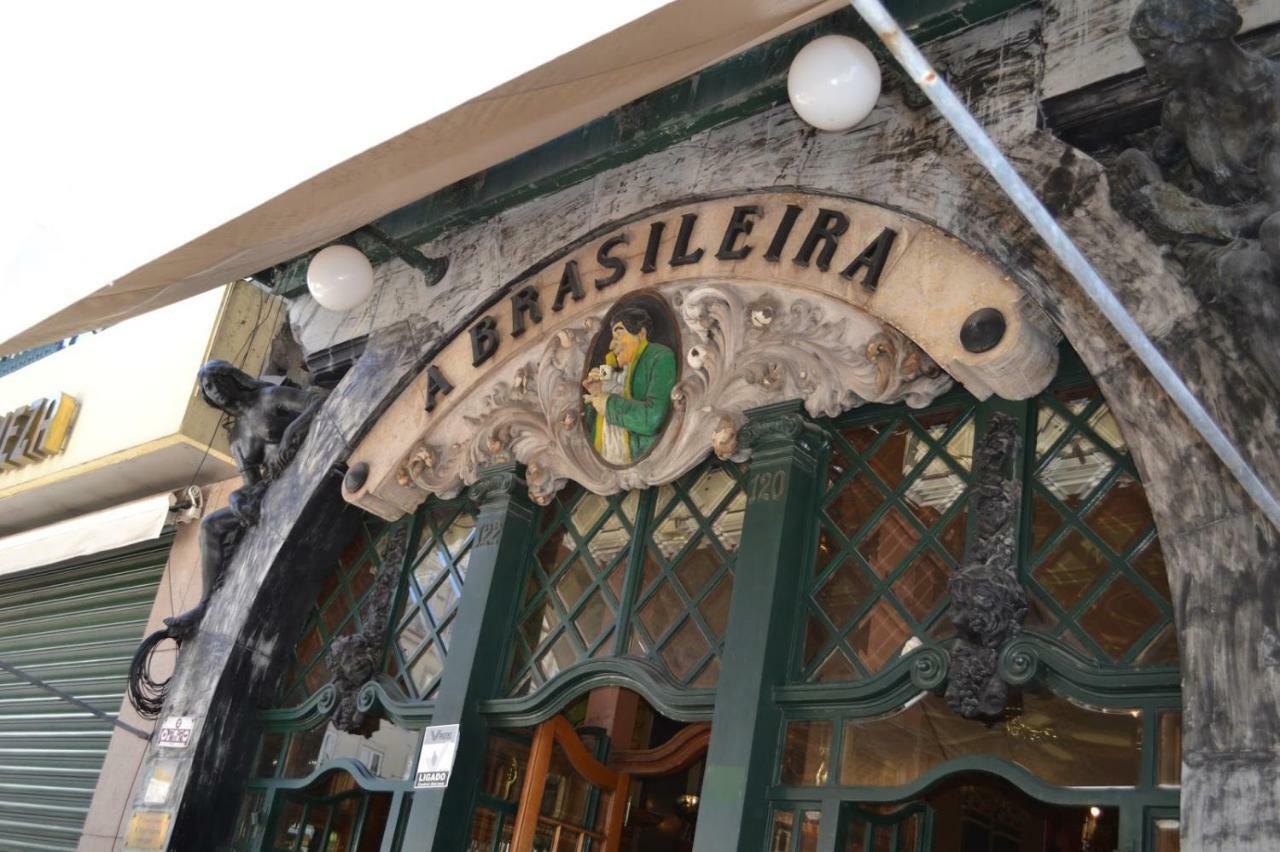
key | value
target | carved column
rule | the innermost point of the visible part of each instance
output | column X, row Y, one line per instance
column 473, row 669
column 787, row 453
column 988, row 602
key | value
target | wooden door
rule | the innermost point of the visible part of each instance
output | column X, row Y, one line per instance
column 545, row 822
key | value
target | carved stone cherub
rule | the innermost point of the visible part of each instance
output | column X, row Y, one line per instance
column 1209, row 184
column 268, row 424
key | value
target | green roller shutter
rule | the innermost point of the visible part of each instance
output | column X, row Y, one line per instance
column 74, row 626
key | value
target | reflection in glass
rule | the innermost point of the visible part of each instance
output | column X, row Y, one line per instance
column 780, row 834
column 1052, row 738
column 1166, row 835
column 1169, row 756
column 308, row 750
column 806, row 753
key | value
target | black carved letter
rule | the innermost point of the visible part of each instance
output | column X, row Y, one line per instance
column 680, row 254
column 739, row 225
column 436, row 384
column 570, row 285
column 873, row 258
column 783, row 233
column 484, row 341
column 617, row 264
column 524, row 301
column 651, row 248
column 827, row 228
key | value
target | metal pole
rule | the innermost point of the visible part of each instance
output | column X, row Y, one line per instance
column 963, row 122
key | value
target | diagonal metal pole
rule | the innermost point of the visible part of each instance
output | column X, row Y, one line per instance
column 964, row 124
column 85, row 706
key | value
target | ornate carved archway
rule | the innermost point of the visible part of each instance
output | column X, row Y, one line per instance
column 774, row 296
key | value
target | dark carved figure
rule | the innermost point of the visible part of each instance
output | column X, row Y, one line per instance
column 988, row 605
column 354, row 660
column 1208, row 185
column 267, row 426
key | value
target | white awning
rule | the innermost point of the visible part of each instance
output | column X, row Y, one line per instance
column 119, row 526
column 659, row 48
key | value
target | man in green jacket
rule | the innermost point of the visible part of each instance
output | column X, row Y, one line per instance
column 649, row 374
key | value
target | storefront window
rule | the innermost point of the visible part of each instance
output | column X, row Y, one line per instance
column 891, row 533
column 1094, row 566
column 592, row 592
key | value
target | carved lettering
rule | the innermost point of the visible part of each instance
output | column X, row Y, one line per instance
column 488, row 534
column 570, row 285
column 436, row 384
column 740, row 225
column 651, row 247
column 768, row 487
column 524, row 302
column 783, row 233
column 607, row 261
column 827, row 228
column 873, row 258
column 484, row 340
column 680, row 254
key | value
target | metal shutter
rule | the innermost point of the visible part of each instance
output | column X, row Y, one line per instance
column 74, row 626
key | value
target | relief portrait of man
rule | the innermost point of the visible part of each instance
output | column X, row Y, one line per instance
column 628, row 388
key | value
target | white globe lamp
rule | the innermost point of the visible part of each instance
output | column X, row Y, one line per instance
column 834, row 82
column 340, row 277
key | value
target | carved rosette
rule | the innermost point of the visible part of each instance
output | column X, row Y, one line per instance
column 988, row 604
column 744, row 346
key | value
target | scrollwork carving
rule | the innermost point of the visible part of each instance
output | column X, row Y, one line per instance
column 354, row 659
column 745, row 346
column 988, row 604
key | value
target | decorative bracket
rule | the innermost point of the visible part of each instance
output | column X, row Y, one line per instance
column 988, row 604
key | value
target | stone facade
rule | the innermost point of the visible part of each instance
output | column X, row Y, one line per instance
column 1221, row 553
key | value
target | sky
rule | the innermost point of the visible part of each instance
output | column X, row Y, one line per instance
column 133, row 127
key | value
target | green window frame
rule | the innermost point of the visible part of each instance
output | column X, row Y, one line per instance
column 293, row 759
column 662, row 597
column 1107, row 642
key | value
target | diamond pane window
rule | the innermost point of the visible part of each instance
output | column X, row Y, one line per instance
column 432, row 590
column 1092, row 563
column 665, row 554
column 428, row 582
column 891, row 532
column 576, row 580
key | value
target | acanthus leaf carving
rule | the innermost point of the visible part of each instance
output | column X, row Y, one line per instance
column 744, row 346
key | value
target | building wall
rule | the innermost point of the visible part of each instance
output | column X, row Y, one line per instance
column 1222, row 554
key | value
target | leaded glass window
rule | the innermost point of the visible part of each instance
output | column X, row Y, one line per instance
column 590, row 591
column 432, row 591
column 891, row 532
column 431, row 575
column 1094, row 565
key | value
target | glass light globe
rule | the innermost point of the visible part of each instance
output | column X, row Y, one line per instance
column 340, row 277
column 834, row 82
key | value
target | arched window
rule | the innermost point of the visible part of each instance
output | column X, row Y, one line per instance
column 1088, row 747
column 396, row 586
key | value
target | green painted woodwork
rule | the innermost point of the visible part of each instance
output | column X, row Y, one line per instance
column 743, row 85
column 781, row 480
column 644, row 574
column 505, row 528
column 892, row 529
column 74, row 626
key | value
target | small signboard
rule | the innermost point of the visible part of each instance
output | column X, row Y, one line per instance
column 435, row 761
column 176, row 732
column 147, row 830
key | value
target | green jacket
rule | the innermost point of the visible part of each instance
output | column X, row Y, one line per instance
column 643, row 415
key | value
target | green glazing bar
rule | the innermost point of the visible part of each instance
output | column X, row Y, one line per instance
column 787, row 451
column 438, row 818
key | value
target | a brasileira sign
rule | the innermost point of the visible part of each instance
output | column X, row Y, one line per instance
column 816, row 244
column 36, row 431
column 621, row 360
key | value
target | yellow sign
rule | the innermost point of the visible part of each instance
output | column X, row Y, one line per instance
column 34, row 432
column 147, row 830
